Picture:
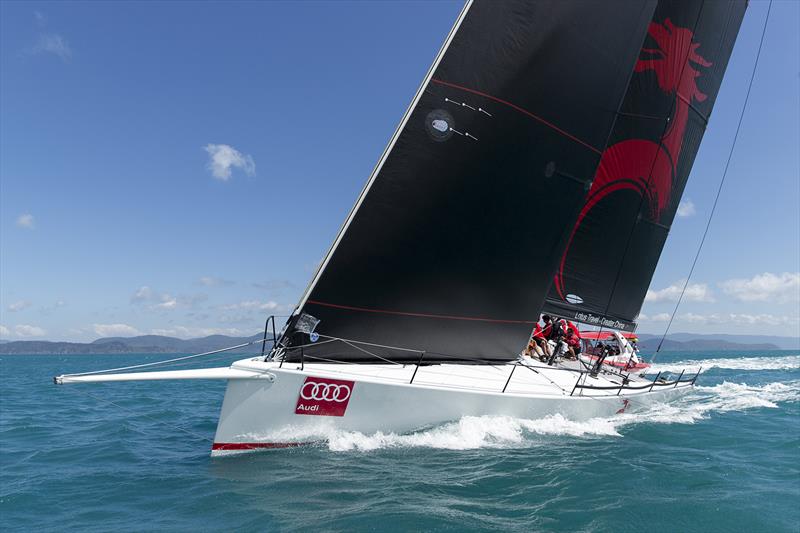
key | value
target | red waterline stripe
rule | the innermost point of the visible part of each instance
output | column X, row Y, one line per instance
column 521, row 110
column 255, row 445
column 422, row 315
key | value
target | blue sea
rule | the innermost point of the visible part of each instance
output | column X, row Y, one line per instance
column 135, row 457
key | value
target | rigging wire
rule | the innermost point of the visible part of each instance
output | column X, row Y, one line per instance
column 155, row 363
column 370, row 353
column 721, row 183
column 533, row 369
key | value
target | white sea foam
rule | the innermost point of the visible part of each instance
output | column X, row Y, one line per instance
column 786, row 362
column 720, row 398
column 472, row 432
column 736, row 396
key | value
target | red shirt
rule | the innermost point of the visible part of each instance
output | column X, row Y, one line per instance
column 573, row 341
column 575, row 331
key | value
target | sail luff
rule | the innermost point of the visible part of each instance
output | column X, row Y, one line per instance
column 376, row 170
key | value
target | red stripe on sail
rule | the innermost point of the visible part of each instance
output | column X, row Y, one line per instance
column 421, row 315
column 521, row 110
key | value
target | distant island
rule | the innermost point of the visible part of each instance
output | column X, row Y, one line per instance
column 703, row 345
column 697, row 342
column 676, row 342
column 140, row 344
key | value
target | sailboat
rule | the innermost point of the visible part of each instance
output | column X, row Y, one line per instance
column 542, row 130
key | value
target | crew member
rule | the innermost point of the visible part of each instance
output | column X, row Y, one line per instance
column 558, row 329
column 573, row 344
column 543, row 334
column 534, row 342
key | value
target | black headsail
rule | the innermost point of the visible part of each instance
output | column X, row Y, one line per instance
column 611, row 255
column 452, row 245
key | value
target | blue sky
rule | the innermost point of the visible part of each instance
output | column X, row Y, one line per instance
column 180, row 168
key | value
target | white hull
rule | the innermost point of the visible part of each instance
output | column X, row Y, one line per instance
column 269, row 413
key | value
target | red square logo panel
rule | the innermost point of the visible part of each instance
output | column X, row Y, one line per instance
column 324, row 397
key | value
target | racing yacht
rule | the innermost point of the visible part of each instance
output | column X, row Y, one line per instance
column 541, row 129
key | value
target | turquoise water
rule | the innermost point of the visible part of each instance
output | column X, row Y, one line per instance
column 725, row 459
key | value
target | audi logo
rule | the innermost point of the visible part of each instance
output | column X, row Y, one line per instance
column 329, row 392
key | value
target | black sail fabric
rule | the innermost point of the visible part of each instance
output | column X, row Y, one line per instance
column 612, row 252
column 452, row 246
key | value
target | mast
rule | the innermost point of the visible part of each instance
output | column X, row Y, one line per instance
column 452, row 244
column 614, row 246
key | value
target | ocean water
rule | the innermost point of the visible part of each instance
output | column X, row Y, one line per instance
column 135, row 457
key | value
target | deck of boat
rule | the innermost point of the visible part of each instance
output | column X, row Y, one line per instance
column 528, row 377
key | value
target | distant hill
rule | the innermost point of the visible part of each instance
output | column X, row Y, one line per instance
column 720, row 341
column 678, row 342
column 703, row 345
column 141, row 344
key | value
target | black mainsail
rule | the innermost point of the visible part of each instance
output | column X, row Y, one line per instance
column 613, row 249
column 451, row 248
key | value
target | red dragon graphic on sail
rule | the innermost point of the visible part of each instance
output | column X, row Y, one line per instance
column 640, row 165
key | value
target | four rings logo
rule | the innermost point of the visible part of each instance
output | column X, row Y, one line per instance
column 312, row 390
column 324, row 397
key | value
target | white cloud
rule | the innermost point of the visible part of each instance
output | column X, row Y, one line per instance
column 53, row 43
column 739, row 319
column 47, row 309
column 115, row 330
column 695, row 292
column 24, row 330
column 274, row 284
column 26, row 220
column 222, row 158
column 659, row 317
column 19, row 306
column 4, row 331
column 41, row 20
column 167, row 302
column 145, row 294
column 249, row 311
column 211, row 281
column 253, row 305
column 142, row 294
column 699, row 319
column 686, row 208
column 781, row 288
